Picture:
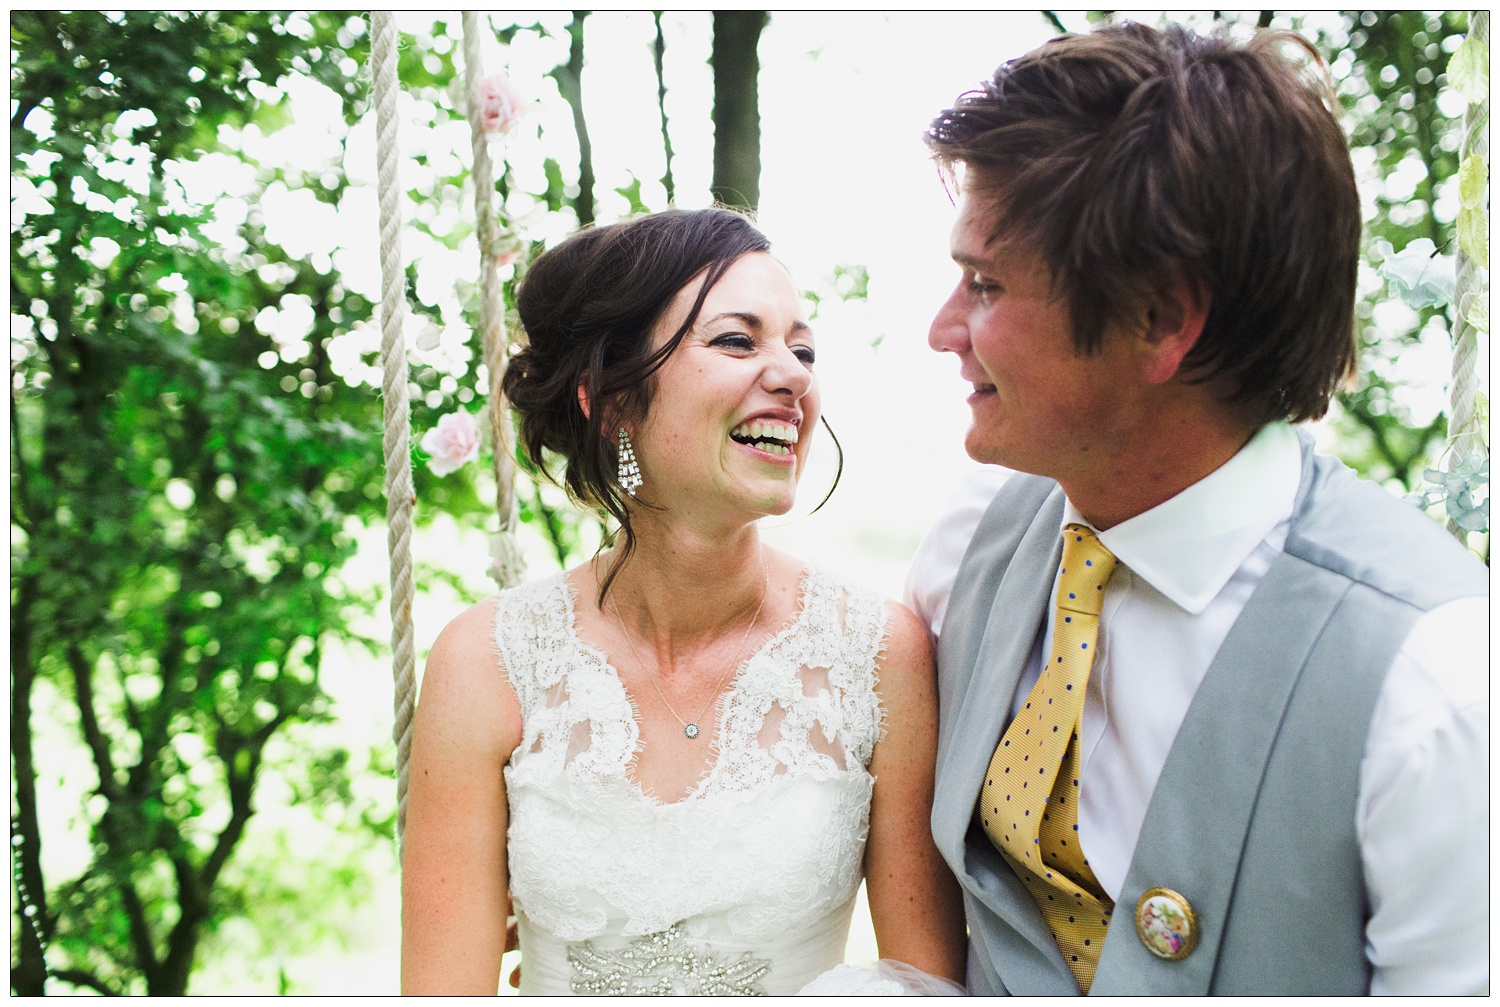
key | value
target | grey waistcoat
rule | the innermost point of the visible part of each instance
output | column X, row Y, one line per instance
column 1253, row 817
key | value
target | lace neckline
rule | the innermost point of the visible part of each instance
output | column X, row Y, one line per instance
column 721, row 705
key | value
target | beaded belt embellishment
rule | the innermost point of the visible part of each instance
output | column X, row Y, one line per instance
column 663, row 964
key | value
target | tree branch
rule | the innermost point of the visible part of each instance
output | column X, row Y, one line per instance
column 140, row 929
column 192, row 886
column 21, row 502
column 88, row 722
column 569, row 77
column 658, row 50
column 1055, row 21
column 78, row 977
column 29, row 977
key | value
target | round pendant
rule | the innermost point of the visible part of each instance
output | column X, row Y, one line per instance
column 691, row 730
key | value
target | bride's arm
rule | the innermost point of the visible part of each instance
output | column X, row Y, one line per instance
column 915, row 903
column 454, row 890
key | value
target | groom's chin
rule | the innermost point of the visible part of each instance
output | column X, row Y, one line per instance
column 980, row 445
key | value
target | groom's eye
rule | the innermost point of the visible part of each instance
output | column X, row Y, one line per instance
column 983, row 288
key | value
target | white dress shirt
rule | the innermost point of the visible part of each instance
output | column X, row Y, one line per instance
column 1186, row 569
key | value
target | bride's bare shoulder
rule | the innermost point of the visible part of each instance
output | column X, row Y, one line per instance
column 464, row 683
column 469, row 639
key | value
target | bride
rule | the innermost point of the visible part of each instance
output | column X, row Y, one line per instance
column 672, row 763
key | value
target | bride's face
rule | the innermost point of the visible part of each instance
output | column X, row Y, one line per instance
column 731, row 423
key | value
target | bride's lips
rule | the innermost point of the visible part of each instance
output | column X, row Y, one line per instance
column 770, row 437
column 981, row 392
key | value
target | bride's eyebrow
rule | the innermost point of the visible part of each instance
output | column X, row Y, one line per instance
column 749, row 318
column 754, row 321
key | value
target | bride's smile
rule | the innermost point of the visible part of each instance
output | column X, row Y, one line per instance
column 731, row 419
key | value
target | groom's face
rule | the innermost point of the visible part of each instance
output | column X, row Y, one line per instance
column 1037, row 404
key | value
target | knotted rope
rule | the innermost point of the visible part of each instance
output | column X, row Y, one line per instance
column 1465, row 434
column 507, row 566
column 398, row 486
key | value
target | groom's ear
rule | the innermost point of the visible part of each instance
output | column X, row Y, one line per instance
column 1175, row 317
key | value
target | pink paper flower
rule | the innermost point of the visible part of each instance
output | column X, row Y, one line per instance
column 453, row 443
column 500, row 105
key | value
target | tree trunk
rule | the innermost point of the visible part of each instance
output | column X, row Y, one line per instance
column 570, row 82
column 28, row 977
column 736, row 65
column 659, row 51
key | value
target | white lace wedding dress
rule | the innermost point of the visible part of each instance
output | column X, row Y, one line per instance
column 744, row 886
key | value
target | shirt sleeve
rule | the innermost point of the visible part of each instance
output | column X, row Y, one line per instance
column 929, row 581
column 1424, row 810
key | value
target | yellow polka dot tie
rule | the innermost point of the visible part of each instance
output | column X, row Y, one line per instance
column 1029, row 803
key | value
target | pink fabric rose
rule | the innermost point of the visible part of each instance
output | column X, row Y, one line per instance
column 500, row 105
column 453, row 443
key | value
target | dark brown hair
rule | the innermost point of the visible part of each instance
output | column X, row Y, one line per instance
column 588, row 307
column 1126, row 153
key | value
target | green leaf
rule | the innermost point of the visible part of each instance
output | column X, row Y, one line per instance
column 1478, row 314
column 1469, row 71
column 1473, row 180
column 1474, row 233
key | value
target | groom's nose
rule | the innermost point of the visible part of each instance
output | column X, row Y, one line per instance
column 949, row 331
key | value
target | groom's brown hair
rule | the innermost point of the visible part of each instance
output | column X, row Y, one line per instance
column 1129, row 154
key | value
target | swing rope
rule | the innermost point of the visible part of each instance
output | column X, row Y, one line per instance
column 1465, row 429
column 507, row 565
column 397, row 443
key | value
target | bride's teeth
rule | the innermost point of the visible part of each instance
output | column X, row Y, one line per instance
column 768, row 433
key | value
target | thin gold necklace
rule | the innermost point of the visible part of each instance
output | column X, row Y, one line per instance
column 691, row 728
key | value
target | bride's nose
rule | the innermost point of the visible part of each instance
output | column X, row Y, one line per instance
column 786, row 373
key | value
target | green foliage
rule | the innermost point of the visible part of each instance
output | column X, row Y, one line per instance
column 1391, row 69
column 196, row 439
column 1469, row 71
column 1395, row 105
column 184, row 462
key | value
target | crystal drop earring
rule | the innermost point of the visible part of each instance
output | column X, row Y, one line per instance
column 630, row 473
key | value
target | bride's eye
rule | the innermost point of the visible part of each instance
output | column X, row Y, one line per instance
column 733, row 341
column 806, row 354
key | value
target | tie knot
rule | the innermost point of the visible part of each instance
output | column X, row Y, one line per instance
column 1086, row 568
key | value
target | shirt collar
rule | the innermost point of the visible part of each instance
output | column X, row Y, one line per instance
column 1189, row 546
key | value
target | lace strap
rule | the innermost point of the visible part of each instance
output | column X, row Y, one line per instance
column 531, row 622
column 867, row 621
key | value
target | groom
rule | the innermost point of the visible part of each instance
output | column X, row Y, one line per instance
column 1213, row 709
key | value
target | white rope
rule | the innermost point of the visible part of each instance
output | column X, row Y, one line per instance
column 1465, row 435
column 398, row 485
column 507, row 566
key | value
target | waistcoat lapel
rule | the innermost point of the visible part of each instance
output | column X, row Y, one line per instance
column 997, row 608
column 1213, row 774
column 1214, row 770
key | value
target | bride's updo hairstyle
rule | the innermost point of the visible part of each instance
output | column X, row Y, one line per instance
column 589, row 307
